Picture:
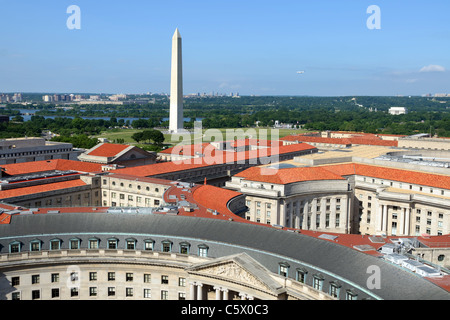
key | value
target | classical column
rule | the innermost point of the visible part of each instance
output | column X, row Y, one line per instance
column 192, row 290
column 305, row 216
column 379, row 218
column 282, row 213
column 218, row 292
column 346, row 211
column 297, row 215
column 313, row 214
column 333, row 213
column 199, row 291
column 225, row 294
column 406, row 225
column 323, row 213
column 384, row 218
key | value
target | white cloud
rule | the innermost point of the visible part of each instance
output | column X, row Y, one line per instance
column 433, row 68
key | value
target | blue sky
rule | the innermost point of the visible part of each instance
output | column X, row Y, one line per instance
column 246, row 46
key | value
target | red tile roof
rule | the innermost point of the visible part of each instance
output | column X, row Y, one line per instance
column 50, row 165
column 406, row 176
column 11, row 193
column 200, row 197
column 287, row 175
column 310, row 139
column 107, row 150
column 219, row 157
column 367, row 139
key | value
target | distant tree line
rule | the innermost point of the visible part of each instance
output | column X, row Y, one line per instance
column 366, row 114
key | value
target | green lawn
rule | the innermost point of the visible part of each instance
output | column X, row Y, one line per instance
column 208, row 135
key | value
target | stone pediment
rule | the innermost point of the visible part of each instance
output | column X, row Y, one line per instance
column 240, row 269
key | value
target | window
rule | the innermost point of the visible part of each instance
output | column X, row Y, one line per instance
column 131, row 244
column 35, row 279
column 35, row 245
column 164, row 295
column 283, row 269
column 74, row 292
column 73, row 276
column 129, row 292
column 55, row 244
column 55, row 277
column 35, row 294
column 111, row 291
column 74, row 244
column 92, row 276
column 334, row 290
column 164, row 279
column 93, row 243
column 55, row 292
column 166, row 246
column 15, row 296
column 14, row 247
column 15, row 281
column 129, row 277
column 203, row 251
column 441, row 257
column 181, row 296
column 318, row 282
column 184, row 248
column 92, row 291
column 350, row 295
column 111, row 276
column 147, row 278
column 112, row 243
column 182, row 282
column 147, row 293
column 148, row 245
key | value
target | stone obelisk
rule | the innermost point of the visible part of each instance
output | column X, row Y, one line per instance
column 176, row 86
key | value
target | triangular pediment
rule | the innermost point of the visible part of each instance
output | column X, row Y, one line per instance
column 241, row 269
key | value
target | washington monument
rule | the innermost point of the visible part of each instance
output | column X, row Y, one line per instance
column 176, row 86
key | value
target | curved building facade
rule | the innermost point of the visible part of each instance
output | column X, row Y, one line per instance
column 143, row 255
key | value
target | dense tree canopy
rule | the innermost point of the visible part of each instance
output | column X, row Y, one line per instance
column 366, row 114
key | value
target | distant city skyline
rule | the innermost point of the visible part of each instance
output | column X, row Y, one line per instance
column 247, row 47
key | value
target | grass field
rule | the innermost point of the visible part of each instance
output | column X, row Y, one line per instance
column 207, row 136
